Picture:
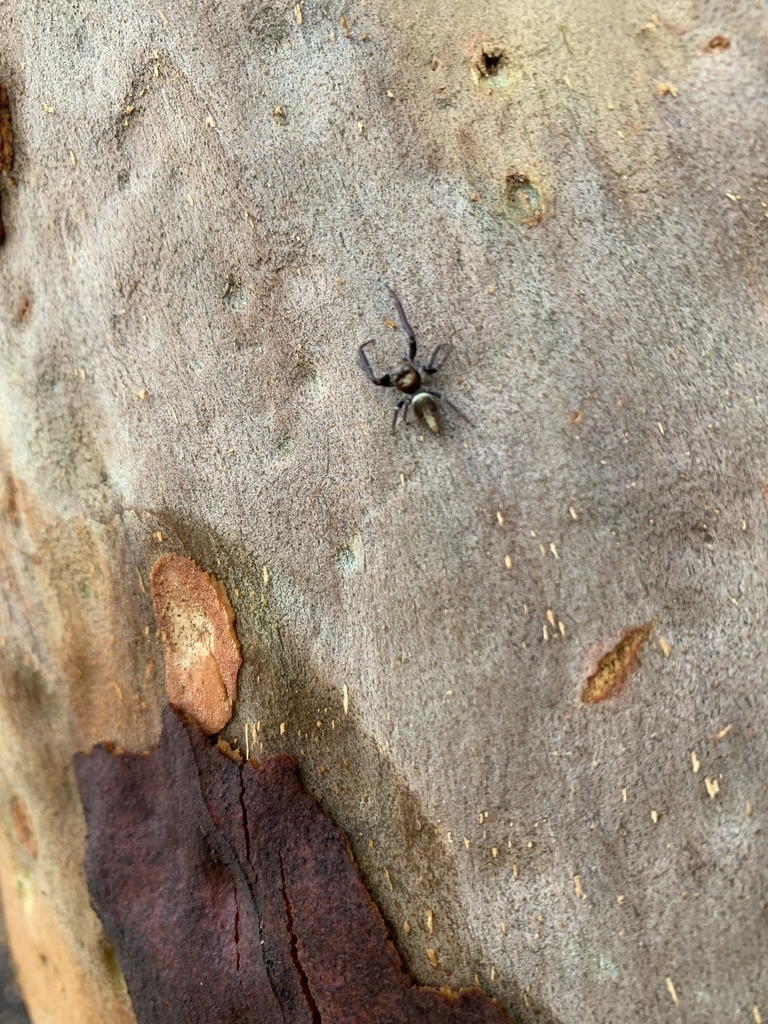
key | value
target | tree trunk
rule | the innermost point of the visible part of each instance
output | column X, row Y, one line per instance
column 519, row 662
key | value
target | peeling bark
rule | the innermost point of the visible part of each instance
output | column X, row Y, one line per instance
column 258, row 916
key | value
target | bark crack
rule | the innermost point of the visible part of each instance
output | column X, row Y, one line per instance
column 316, row 1018
column 246, row 834
column 237, row 931
column 247, row 840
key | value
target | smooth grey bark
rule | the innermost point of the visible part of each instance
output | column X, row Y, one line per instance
column 207, row 202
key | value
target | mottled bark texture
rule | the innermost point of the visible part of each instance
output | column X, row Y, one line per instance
column 207, row 203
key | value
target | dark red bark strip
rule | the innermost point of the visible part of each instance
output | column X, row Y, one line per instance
column 230, row 897
column 6, row 144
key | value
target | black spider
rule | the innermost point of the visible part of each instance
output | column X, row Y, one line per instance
column 408, row 377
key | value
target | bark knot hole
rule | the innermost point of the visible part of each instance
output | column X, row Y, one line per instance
column 524, row 200
column 492, row 61
column 717, row 43
column 492, row 68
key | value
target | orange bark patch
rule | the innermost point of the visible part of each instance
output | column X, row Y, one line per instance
column 55, row 970
column 614, row 667
column 202, row 655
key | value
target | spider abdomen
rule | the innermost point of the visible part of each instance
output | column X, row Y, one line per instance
column 427, row 410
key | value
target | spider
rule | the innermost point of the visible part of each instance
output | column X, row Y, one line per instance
column 408, row 377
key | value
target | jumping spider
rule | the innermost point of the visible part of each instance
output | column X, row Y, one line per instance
column 408, row 377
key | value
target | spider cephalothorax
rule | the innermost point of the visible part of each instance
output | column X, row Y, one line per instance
column 408, row 377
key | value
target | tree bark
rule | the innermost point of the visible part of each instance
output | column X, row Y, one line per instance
column 205, row 206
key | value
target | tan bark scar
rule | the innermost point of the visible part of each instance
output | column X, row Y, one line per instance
column 614, row 667
column 196, row 627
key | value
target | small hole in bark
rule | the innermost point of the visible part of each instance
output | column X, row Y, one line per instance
column 492, row 61
column 493, row 70
column 349, row 556
column 235, row 295
column 717, row 43
column 285, row 447
column 524, row 199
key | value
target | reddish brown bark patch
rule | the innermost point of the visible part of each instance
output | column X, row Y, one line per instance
column 23, row 827
column 6, row 132
column 717, row 43
column 202, row 654
column 229, row 896
column 614, row 667
column 6, row 144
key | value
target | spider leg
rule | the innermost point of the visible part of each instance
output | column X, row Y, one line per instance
column 438, row 357
column 451, row 405
column 385, row 381
column 404, row 401
column 405, row 325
